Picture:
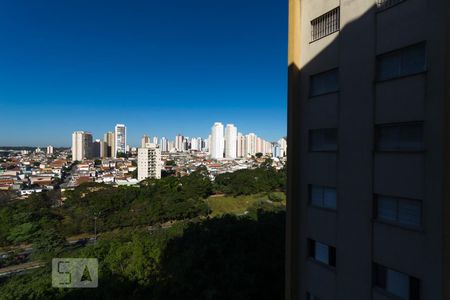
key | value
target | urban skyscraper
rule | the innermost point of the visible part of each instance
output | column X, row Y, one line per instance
column 230, row 141
column 81, row 145
column 110, row 140
column 194, row 144
column 250, row 144
column 121, row 139
column 179, row 142
column 217, row 141
column 240, row 147
column 99, row 149
column 145, row 140
column 368, row 208
column 163, row 144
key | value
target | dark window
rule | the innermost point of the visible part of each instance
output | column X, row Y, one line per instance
column 381, row 4
column 405, row 212
column 403, row 62
column 323, row 139
column 322, row 196
column 396, row 283
column 400, row 137
column 325, row 25
column 322, row 253
column 324, row 83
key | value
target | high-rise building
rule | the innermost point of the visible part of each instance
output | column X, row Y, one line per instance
column 276, row 150
column 96, row 145
column 99, row 149
column 145, row 140
column 201, row 143
column 185, row 146
column 283, row 146
column 194, row 144
column 103, row 149
column 179, row 142
column 163, row 144
column 230, row 141
column 149, row 162
column 259, row 145
column 208, row 144
column 369, row 155
column 267, row 148
column 155, row 140
column 81, row 145
column 120, row 139
column 240, row 145
column 217, row 141
column 110, row 140
column 171, row 146
column 250, row 144
column 49, row 150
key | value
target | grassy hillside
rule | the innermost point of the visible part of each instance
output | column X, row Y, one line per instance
column 239, row 205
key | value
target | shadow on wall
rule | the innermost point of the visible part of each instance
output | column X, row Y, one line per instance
column 351, row 108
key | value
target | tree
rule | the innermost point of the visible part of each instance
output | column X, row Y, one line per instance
column 259, row 155
column 170, row 163
column 47, row 243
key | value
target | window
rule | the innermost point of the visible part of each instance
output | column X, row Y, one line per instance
column 322, row 253
column 405, row 212
column 323, row 139
column 310, row 296
column 322, row 196
column 324, row 83
column 400, row 137
column 381, row 4
column 403, row 62
column 396, row 283
column 325, row 25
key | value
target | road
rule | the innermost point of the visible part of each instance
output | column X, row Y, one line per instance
column 16, row 269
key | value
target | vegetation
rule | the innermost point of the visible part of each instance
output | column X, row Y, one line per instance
column 249, row 182
column 158, row 241
column 220, row 258
column 242, row 205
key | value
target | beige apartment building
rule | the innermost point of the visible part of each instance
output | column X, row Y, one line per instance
column 369, row 158
column 149, row 162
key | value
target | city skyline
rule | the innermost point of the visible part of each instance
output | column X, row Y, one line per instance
column 138, row 142
column 222, row 142
column 126, row 65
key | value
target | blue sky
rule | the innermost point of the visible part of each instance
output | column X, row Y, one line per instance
column 161, row 67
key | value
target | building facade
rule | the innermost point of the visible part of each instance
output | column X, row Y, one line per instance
column 149, row 162
column 240, row 145
column 110, row 140
column 217, row 141
column 163, row 144
column 120, row 139
column 230, row 141
column 250, row 144
column 81, row 145
column 49, row 150
column 179, row 139
column 145, row 140
column 369, row 157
